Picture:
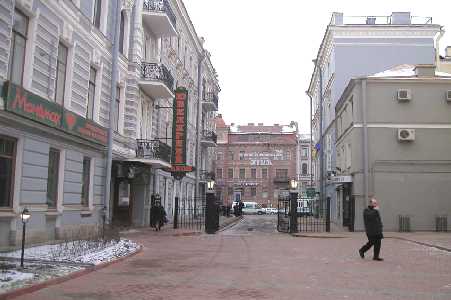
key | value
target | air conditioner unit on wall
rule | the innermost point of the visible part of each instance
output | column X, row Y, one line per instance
column 25, row 4
column 448, row 95
column 406, row 134
column 404, row 95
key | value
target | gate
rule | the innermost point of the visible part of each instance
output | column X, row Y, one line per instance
column 283, row 209
column 189, row 215
column 313, row 215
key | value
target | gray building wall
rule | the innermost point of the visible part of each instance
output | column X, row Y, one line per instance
column 408, row 178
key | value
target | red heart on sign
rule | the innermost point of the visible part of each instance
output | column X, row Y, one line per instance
column 70, row 120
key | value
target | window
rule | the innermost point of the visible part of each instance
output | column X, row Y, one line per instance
column 7, row 162
column 242, row 155
column 17, row 51
column 348, row 156
column 230, row 155
column 253, row 191
column 219, row 173
column 304, row 169
column 61, row 66
column 91, row 93
column 242, row 173
column 265, row 194
column 85, row 181
column 97, row 13
column 230, row 173
column 304, row 152
column 219, row 156
column 264, row 173
column 116, row 109
column 230, row 191
column 253, row 173
column 52, row 179
column 281, row 173
column 121, row 33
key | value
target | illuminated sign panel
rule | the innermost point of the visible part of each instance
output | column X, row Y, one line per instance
column 179, row 133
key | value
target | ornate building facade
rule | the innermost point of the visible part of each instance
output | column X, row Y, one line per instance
column 63, row 87
column 254, row 162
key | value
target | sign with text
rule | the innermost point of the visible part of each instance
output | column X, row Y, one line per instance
column 342, row 179
column 179, row 133
column 36, row 108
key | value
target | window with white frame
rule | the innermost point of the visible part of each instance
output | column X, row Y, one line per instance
column 97, row 13
column 61, row 68
column 91, row 93
column 18, row 47
column 348, row 156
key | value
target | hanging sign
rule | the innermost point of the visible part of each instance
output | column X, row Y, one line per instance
column 179, row 132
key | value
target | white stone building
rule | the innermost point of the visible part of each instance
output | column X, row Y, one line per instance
column 56, row 64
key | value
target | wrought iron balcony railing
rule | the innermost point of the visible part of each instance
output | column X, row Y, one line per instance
column 153, row 149
column 157, row 72
column 209, row 135
column 211, row 97
column 160, row 6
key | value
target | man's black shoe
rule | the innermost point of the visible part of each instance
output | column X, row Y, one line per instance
column 378, row 259
column 362, row 254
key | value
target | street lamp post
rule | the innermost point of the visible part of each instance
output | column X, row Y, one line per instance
column 211, row 213
column 24, row 216
column 293, row 206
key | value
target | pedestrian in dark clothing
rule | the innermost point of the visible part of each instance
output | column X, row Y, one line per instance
column 373, row 229
column 157, row 216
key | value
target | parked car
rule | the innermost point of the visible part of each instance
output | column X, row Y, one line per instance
column 271, row 210
column 253, row 208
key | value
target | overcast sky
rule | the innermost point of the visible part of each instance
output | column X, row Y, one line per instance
column 263, row 49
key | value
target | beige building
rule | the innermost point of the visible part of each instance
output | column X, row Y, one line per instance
column 394, row 143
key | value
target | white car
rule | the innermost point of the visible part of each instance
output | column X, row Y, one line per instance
column 271, row 210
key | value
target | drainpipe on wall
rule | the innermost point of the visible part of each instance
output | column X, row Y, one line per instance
column 114, row 80
column 365, row 143
column 199, row 126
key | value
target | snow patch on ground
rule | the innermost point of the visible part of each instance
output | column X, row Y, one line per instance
column 9, row 277
column 87, row 252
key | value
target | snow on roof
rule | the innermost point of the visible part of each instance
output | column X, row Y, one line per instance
column 404, row 71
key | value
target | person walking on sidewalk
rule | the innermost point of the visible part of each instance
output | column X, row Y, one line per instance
column 373, row 229
column 157, row 216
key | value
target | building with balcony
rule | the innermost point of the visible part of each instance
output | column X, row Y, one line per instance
column 165, row 53
column 254, row 162
column 359, row 46
column 57, row 106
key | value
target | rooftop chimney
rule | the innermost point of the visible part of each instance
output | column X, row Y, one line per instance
column 337, row 18
column 448, row 52
column 250, row 124
column 260, row 124
column 425, row 70
column 400, row 18
column 276, row 125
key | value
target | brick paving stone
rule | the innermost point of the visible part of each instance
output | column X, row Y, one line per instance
column 256, row 265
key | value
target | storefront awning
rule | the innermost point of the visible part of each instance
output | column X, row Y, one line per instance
column 156, row 163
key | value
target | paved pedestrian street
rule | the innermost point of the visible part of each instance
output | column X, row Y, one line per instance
column 252, row 261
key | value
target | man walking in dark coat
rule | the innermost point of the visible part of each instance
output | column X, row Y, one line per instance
column 373, row 229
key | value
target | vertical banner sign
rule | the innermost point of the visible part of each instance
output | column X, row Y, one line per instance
column 179, row 133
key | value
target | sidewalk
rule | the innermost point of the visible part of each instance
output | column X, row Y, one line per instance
column 439, row 240
column 168, row 229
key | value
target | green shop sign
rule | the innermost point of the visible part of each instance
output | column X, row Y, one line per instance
column 36, row 108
